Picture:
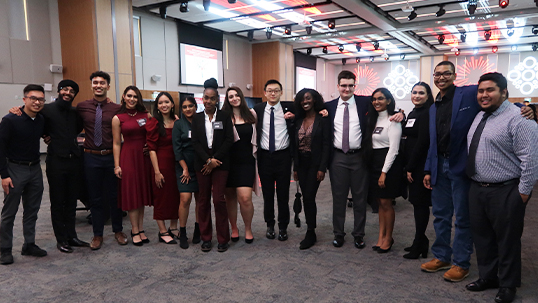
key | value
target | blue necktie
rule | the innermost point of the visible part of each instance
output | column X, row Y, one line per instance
column 272, row 131
column 98, row 129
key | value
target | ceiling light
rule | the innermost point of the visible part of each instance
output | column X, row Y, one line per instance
column 385, row 55
column 475, row 51
column 371, row 58
column 457, row 53
column 463, row 37
column 412, row 16
column 535, row 28
column 162, row 11
column 376, row 45
column 341, row 48
column 441, row 11
column 309, row 51
column 324, row 50
column 344, row 61
column 232, row 1
column 184, row 7
column 514, row 48
column 268, row 32
column 250, row 35
column 510, row 32
column 402, row 56
column 331, row 24
column 386, row 58
column 441, row 38
column 358, row 60
column 494, row 49
column 534, row 47
column 471, row 7
column 287, row 30
column 206, row 4
column 487, row 35
column 454, row 49
column 408, row 8
column 358, row 46
column 308, row 30
column 503, row 3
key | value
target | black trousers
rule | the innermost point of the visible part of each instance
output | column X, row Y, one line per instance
column 309, row 184
column 64, row 176
column 275, row 168
column 496, row 215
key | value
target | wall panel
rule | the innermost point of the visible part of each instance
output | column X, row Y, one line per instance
column 265, row 65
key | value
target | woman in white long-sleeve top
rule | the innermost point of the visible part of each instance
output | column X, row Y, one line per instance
column 385, row 175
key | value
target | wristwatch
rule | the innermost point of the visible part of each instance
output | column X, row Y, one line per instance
column 208, row 161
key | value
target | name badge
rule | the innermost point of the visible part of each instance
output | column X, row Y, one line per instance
column 141, row 122
column 217, row 125
column 410, row 123
column 189, row 133
column 378, row 130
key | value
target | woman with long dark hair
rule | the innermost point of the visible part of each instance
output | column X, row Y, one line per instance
column 131, row 166
column 416, row 131
column 385, row 173
column 185, row 173
column 242, row 177
column 311, row 154
column 212, row 138
column 165, row 192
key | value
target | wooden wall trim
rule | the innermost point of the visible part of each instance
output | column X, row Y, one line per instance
column 265, row 65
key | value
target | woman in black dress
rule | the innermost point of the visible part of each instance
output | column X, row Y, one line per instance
column 311, row 154
column 242, row 174
column 416, row 130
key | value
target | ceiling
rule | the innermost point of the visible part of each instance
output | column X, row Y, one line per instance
column 365, row 22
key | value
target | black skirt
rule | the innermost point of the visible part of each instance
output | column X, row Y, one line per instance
column 393, row 181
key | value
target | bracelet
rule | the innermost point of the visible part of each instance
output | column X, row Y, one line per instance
column 116, row 167
column 208, row 161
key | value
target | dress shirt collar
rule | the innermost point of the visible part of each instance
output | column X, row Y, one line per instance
column 501, row 108
column 95, row 102
column 449, row 95
column 349, row 101
column 277, row 106
column 207, row 116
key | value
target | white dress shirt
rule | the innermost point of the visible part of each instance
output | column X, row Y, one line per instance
column 282, row 138
column 355, row 134
column 209, row 129
column 389, row 137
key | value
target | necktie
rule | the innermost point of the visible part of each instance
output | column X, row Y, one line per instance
column 272, row 130
column 471, row 161
column 98, row 129
column 345, row 131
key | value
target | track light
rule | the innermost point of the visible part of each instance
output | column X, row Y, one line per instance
column 308, row 30
column 412, row 15
column 503, row 3
column 206, row 4
column 534, row 47
column 341, row 48
column 487, row 35
column 535, row 28
column 402, row 56
column 471, row 7
column 457, row 53
column 250, row 35
column 358, row 60
column 184, row 7
column 376, row 45
column 441, row 38
column 514, row 48
column 463, row 37
column 309, row 51
column 387, row 58
column 268, row 32
column 287, row 30
column 494, row 49
column 510, row 32
column 475, row 51
column 232, row 1
column 358, row 46
column 162, row 11
column 371, row 58
column 344, row 61
column 324, row 50
column 441, row 11
column 331, row 24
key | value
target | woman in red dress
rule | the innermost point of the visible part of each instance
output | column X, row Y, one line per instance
column 161, row 152
column 131, row 166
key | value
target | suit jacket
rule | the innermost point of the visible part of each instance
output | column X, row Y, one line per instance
column 321, row 143
column 362, row 103
column 287, row 106
column 464, row 109
column 223, row 139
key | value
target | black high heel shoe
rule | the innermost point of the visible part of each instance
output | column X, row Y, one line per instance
column 146, row 240
column 418, row 250
column 384, row 251
column 375, row 247
column 136, row 243
column 164, row 235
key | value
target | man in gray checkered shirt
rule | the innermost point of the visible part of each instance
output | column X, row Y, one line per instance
column 503, row 166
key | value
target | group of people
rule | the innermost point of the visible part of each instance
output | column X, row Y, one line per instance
column 132, row 158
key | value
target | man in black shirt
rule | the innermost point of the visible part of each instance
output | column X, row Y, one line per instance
column 21, row 173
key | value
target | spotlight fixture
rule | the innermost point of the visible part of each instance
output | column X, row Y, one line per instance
column 309, row 51
column 494, row 49
column 503, row 3
column 268, row 32
column 331, row 24
column 341, row 48
column 402, row 56
column 344, row 61
column 510, row 32
column 475, row 51
column 232, row 1
column 206, row 4
column 454, row 49
column 387, row 58
column 441, row 11
column 324, row 50
column 412, row 15
column 534, row 47
column 514, row 48
column 535, row 27
column 376, row 45
column 457, row 53
column 371, row 58
column 250, row 35
column 308, row 29
column 184, row 7
column 441, row 38
column 162, row 11
column 463, row 37
column 487, row 35
column 358, row 60
column 471, row 7
column 358, row 46
column 287, row 30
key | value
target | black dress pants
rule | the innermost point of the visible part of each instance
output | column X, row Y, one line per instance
column 309, row 184
column 64, row 176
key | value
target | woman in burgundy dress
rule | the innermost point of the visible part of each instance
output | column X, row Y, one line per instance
column 161, row 152
column 131, row 166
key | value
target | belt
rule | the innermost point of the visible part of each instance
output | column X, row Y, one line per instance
column 102, row 152
column 351, row 151
column 509, row 182
column 25, row 163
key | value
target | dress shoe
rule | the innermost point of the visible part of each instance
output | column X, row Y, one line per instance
column 249, row 241
column 375, row 248
column 384, row 251
column 76, row 242
column 139, row 243
column 146, row 240
column 482, row 284
column 6, row 257
column 282, row 235
column 196, row 238
column 270, row 234
column 505, row 295
column 64, row 247
column 309, row 239
column 456, row 274
column 434, row 265
column 121, row 238
column 161, row 235
column 359, row 242
column 97, row 242
column 418, row 249
column 206, row 246
column 30, row 249
column 234, row 239
column 223, row 247
column 183, row 240
column 338, row 241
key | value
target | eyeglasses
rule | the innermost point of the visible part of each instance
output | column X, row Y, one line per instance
column 34, row 99
column 67, row 90
column 379, row 99
column 271, row 91
column 187, row 106
column 347, row 86
column 445, row 75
